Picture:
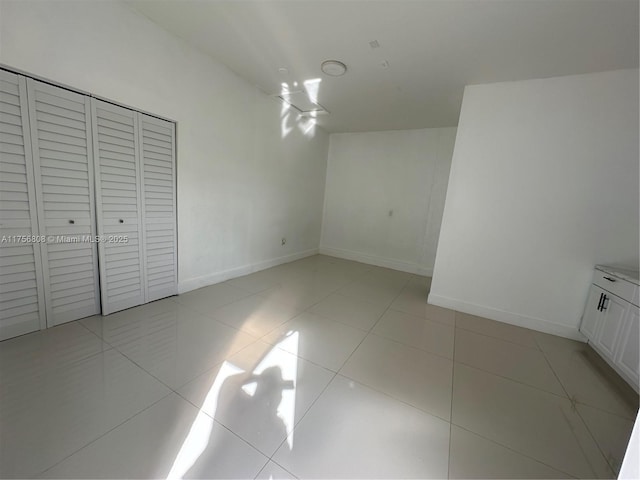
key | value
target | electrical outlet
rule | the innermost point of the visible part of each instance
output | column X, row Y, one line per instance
column 284, row 240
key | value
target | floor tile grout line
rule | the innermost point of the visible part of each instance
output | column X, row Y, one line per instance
column 117, row 349
column 511, row 449
column 261, row 469
column 371, row 329
column 298, row 356
column 386, row 394
column 518, row 382
column 423, row 317
column 303, row 416
column 500, row 338
column 325, row 388
column 273, row 461
column 550, row 393
column 87, row 357
column 412, row 347
column 236, row 434
column 567, row 397
column 334, row 291
column 219, row 423
column 578, row 402
column 587, row 457
column 575, row 408
column 270, row 460
column 307, row 311
column 143, row 368
column 107, row 432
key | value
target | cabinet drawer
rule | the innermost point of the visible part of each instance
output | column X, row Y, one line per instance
column 622, row 288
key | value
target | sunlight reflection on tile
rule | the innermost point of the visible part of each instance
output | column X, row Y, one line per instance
column 264, row 400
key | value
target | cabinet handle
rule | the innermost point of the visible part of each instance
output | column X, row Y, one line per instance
column 600, row 302
column 121, row 221
column 610, row 279
column 604, row 301
column 72, row 222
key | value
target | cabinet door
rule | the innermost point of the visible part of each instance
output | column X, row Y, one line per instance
column 157, row 149
column 62, row 156
column 592, row 316
column 628, row 358
column 117, row 169
column 21, row 287
column 614, row 309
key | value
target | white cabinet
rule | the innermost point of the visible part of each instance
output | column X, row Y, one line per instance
column 592, row 315
column 610, row 321
column 614, row 310
column 628, row 355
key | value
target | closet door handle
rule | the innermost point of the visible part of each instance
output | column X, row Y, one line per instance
column 72, row 222
column 600, row 302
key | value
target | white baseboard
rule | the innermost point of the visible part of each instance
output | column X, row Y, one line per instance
column 377, row 261
column 217, row 277
column 532, row 323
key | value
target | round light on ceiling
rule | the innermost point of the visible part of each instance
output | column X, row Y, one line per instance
column 333, row 68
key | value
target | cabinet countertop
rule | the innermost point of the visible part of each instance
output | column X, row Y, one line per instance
column 624, row 273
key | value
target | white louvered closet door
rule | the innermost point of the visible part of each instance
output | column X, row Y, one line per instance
column 157, row 153
column 119, row 206
column 21, row 287
column 62, row 157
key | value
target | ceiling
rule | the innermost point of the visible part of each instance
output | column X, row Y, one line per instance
column 433, row 48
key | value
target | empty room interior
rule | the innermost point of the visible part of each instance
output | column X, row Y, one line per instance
column 319, row 239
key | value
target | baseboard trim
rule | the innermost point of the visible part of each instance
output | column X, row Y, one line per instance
column 377, row 261
column 221, row 276
column 533, row 323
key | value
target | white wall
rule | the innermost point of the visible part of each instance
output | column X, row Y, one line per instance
column 371, row 174
column 241, row 187
column 543, row 186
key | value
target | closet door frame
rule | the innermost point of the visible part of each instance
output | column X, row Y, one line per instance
column 18, row 329
column 106, row 307
column 33, row 201
column 35, row 147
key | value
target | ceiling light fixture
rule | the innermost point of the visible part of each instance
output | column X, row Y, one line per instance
column 333, row 68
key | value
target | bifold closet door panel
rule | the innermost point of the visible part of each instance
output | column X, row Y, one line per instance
column 119, row 208
column 21, row 288
column 62, row 157
column 157, row 149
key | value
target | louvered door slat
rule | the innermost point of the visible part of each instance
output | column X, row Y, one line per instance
column 61, row 140
column 157, row 149
column 119, row 205
column 22, row 307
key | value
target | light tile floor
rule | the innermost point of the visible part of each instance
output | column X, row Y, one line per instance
column 320, row 368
